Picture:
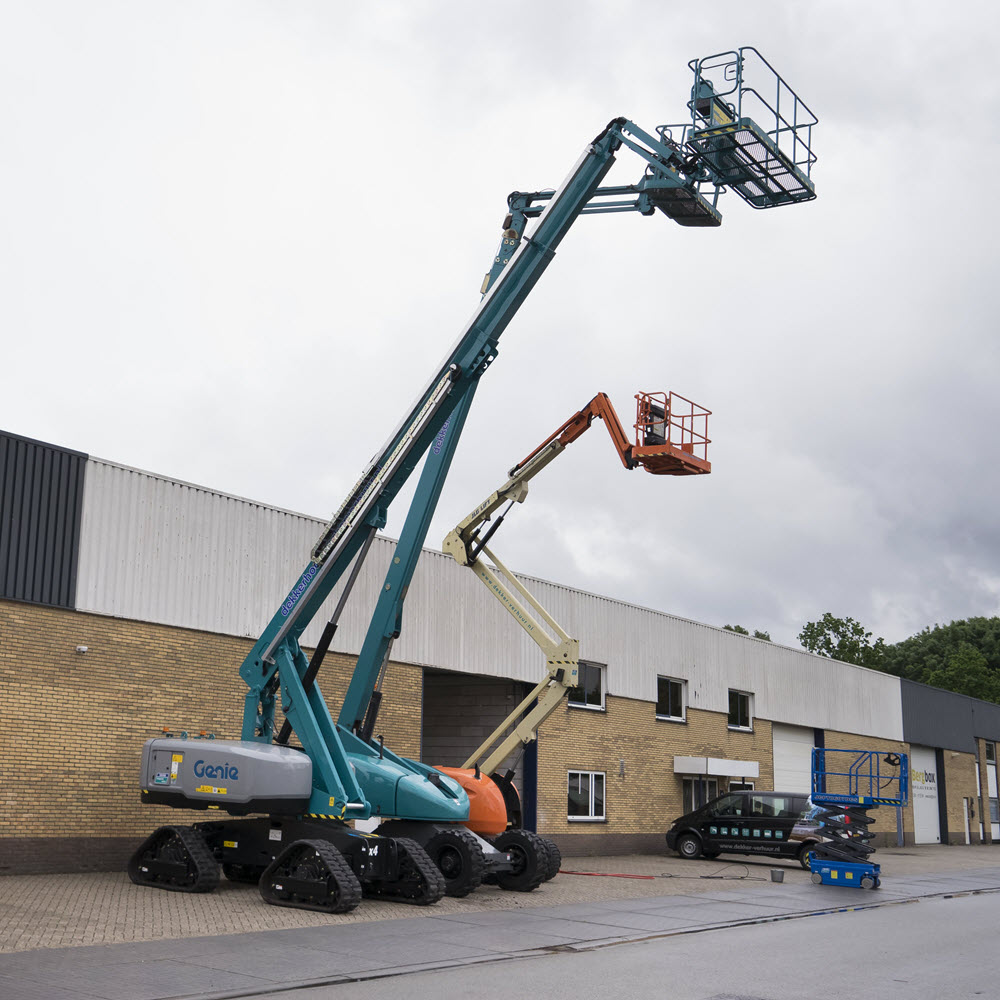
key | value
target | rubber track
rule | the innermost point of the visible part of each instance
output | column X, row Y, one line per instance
column 420, row 884
column 343, row 874
column 474, row 877
column 205, row 865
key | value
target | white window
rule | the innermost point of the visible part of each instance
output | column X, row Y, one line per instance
column 671, row 698
column 698, row 791
column 589, row 692
column 741, row 710
column 585, row 799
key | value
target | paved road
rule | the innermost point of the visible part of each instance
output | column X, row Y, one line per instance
column 930, row 950
column 489, row 942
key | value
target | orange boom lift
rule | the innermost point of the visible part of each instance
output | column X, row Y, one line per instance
column 671, row 439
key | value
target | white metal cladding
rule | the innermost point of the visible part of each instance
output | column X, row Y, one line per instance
column 159, row 550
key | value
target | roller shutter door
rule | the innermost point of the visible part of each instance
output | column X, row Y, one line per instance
column 792, row 748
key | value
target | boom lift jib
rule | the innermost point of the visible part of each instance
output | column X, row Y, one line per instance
column 671, row 438
column 342, row 771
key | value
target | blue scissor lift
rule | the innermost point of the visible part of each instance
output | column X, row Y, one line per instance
column 845, row 785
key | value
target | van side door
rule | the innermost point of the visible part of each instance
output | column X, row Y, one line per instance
column 721, row 826
column 771, row 821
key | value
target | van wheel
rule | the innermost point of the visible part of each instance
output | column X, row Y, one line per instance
column 689, row 846
column 804, row 855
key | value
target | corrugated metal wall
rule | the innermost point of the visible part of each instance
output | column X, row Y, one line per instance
column 164, row 551
column 41, row 491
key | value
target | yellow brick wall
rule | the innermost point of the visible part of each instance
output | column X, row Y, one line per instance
column 74, row 723
column 960, row 784
column 648, row 797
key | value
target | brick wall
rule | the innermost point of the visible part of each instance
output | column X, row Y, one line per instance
column 74, row 725
column 641, row 803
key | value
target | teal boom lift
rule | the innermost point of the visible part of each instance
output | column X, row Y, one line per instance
column 301, row 852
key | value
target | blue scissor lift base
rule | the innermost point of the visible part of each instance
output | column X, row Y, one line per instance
column 856, row 875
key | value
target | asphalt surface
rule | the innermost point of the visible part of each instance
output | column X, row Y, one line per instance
column 98, row 936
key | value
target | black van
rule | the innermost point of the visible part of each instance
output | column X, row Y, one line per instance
column 775, row 824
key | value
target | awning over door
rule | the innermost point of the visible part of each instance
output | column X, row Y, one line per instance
column 717, row 765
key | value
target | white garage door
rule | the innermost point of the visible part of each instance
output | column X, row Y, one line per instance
column 792, row 746
column 924, row 795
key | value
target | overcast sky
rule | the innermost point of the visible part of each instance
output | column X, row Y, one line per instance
column 238, row 238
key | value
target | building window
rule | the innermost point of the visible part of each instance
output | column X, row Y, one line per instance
column 670, row 698
column 698, row 791
column 741, row 786
column 585, row 800
column 589, row 693
column 740, row 710
column 991, row 753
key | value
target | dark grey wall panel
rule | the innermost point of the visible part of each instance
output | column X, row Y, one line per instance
column 41, row 499
column 937, row 718
column 986, row 720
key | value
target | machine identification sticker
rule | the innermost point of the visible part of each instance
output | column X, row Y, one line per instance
column 161, row 778
column 212, row 790
column 274, row 835
column 175, row 766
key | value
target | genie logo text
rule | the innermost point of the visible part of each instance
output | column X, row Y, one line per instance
column 228, row 771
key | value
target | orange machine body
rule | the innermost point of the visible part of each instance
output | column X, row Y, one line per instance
column 487, row 809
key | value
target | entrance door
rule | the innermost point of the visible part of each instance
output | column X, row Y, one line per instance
column 924, row 792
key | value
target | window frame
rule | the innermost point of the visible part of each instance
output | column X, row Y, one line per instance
column 683, row 698
column 601, row 668
column 688, row 782
column 736, row 727
column 591, row 817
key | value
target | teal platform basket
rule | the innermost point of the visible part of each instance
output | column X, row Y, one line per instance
column 751, row 131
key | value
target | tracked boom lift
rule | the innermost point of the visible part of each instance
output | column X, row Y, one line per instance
column 301, row 850
column 671, row 438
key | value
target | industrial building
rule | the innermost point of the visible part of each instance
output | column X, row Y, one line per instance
column 119, row 618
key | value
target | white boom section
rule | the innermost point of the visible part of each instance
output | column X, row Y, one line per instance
column 562, row 653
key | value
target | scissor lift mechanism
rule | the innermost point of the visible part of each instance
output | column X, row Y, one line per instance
column 845, row 785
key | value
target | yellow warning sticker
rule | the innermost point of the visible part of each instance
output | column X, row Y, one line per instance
column 177, row 757
column 230, row 843
column 333, row 802
column 211, row 790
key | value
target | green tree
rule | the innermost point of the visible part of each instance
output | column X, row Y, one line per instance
column 757, row 634
column 967, row 672
column 930, row 651
column 843, row 639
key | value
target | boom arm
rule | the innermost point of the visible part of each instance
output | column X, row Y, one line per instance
column 562, row 653
column 675, row 171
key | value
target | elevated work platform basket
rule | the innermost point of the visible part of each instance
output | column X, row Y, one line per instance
column 671, row 435
column 751, row 130
column 860, row 777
